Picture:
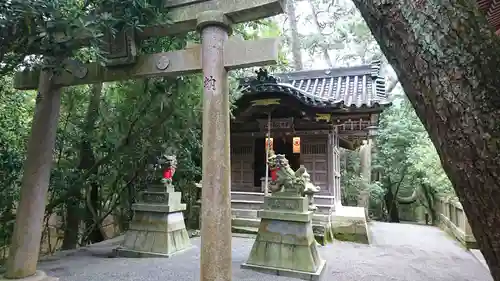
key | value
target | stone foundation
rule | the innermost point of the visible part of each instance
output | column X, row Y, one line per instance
column 285, row 243
column 349, row 224
column 315, row 276
column 157, row 228
column 245, row 205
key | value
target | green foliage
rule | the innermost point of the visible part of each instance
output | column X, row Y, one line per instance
column 405, row 165
column 55, row 28
column 15, row 117
column 406, row 161
column 350, row 180
column 107, row 133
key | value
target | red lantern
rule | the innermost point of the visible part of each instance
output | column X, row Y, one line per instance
column 296, row 144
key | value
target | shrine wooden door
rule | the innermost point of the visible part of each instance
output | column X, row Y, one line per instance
column 314, row 157
column 242, row 173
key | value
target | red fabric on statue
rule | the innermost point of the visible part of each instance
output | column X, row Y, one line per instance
column 168, row 173
column 274, row 175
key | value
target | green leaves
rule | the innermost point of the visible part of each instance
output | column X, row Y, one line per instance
column 56, row 27
column 404, row 153
column 15, row 119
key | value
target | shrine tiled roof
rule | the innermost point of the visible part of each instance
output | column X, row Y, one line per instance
column 349, row 87
column 491, row 8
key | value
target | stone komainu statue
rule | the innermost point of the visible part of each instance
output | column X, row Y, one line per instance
column 162, row 170
column 284, row 179
column 169, row 171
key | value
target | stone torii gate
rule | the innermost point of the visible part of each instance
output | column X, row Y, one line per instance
column 216, row 55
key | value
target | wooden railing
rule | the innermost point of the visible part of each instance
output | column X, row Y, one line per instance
column 452, row 219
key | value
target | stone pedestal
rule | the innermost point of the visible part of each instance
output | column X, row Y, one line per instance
column 157, row 228
column 349, row 224
column 285, row 243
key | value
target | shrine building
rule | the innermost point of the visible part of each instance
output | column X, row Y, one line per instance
column 309, row 115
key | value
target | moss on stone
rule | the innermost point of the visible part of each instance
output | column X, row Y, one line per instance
column 351, row 237
column 244, row 230
column 320, row 239
column 464, row 244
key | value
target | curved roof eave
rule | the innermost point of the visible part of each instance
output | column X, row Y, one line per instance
column 309, row 99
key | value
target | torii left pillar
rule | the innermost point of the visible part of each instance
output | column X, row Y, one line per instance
column 25, row 244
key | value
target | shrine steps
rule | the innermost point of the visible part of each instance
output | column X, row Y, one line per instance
column 252, row 197
column 244, row 207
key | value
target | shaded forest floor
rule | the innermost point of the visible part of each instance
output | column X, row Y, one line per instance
column 400, row 252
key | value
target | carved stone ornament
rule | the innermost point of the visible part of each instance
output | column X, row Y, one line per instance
column 163, row 63
column 81, row 72
column 262, row 77
column 76, row 68
column 162, row 169
column 120, row 49
column 284, row 179
column 170, row 163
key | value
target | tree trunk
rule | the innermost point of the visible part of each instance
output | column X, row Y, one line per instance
column 391, row 206
column 92, row 215
column 87, row 161
column 446, row 57
column 74, row 213
column 294, row 35
column 323, row 46
column 73, row 219
column 429, row 199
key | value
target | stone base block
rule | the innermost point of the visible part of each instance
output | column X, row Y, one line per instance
column 286, row 246
column 38, row 276
column 155, row 236
column 349, row 224
column 127, row 253
column 314, row 276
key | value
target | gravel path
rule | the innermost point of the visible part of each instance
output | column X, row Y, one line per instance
column 400, row 252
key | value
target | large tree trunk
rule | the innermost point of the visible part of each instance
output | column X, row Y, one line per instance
column 294, row 35
column 87, row 161
column 73, row 219
column 391, row 206
column 74, row 213
column 446, row 57
column 428, row 193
